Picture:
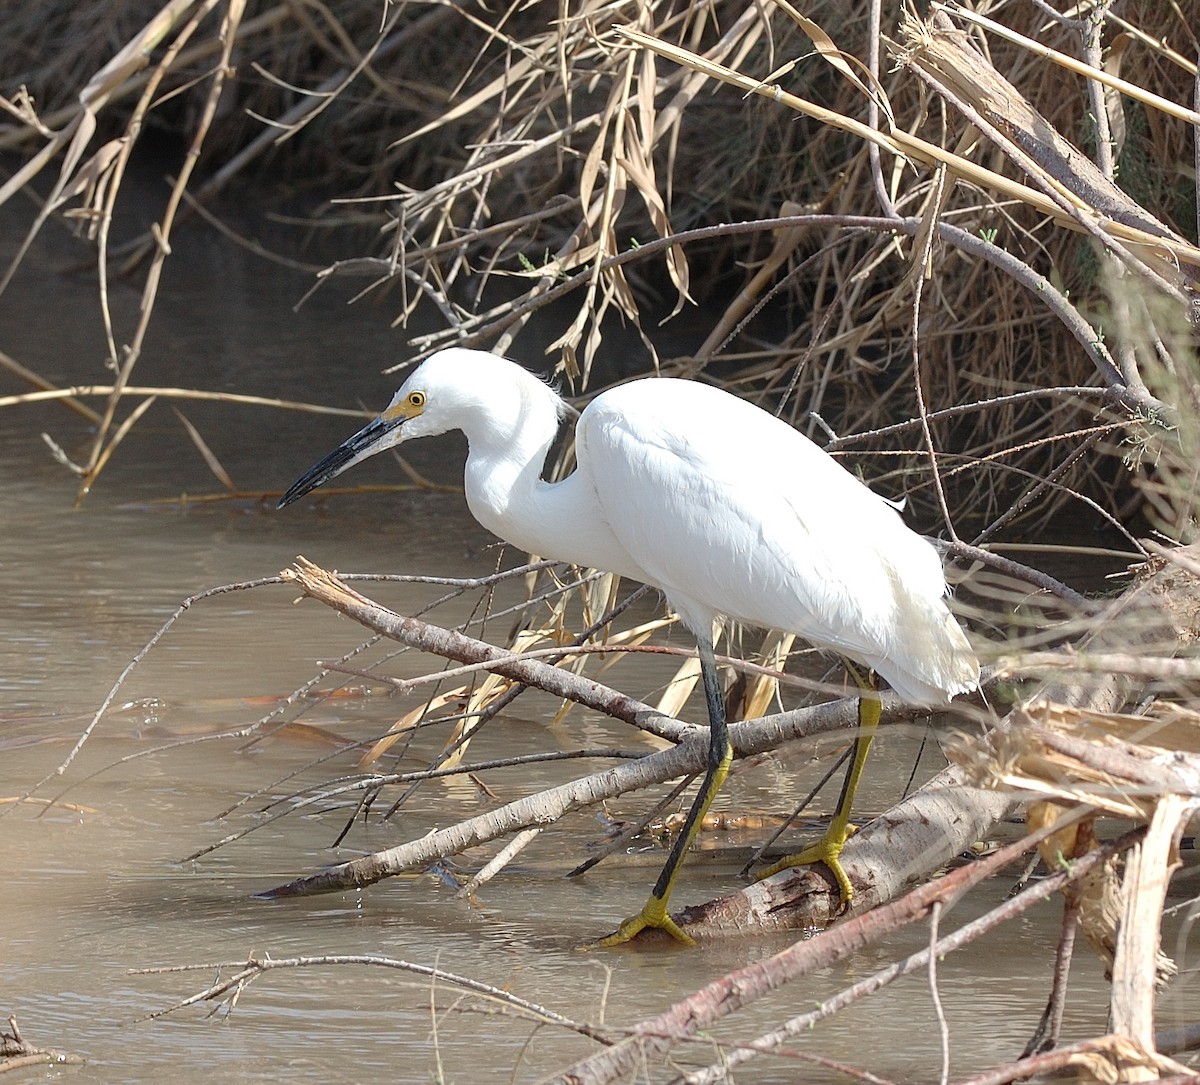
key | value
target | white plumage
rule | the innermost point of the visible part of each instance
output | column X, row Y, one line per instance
column 726, row 509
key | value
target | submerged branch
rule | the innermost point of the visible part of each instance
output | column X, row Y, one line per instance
column 689, row 756
column 653, row 1038
column 246, row 972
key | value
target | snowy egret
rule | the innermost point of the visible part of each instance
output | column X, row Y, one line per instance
column 729, row 511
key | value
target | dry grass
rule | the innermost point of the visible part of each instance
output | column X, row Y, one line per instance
column 528, row 155
column 955, row 245
column 890, row 237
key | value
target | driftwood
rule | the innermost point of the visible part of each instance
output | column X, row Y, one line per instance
column 1159, row 612
column 653, row 1038
column 16, row 1053
column 325, row 587
column 891, row 854
column 1021, row 756
column 1082, row 760
column 689, row 756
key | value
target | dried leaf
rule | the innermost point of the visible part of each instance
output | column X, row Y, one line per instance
column 210, row 458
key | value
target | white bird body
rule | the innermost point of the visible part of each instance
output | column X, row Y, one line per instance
column 728, row 510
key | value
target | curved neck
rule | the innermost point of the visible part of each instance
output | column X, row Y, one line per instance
column 507, row 495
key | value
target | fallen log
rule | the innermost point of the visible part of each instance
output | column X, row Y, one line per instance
column 1158, row 614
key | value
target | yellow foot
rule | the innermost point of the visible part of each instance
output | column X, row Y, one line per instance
column 653, row 914
column 827, row 850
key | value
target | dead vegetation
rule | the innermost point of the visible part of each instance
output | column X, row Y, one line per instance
column 964, row 242
column 856, row 210
column 1070, row 749
column 17, row 1053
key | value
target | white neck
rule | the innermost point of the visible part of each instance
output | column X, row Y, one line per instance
column 507, row 495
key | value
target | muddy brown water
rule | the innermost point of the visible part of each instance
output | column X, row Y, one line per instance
column 93, row 891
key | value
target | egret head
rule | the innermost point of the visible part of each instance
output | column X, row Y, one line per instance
column 453, row 389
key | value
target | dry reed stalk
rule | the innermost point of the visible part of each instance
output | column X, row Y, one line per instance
column 1075, row 761
column 507, row 169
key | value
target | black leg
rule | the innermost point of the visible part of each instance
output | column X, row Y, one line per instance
column 720, row 755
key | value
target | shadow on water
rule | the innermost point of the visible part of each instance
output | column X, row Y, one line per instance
column 94, row 891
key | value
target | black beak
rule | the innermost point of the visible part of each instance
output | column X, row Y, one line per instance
column 363, row 444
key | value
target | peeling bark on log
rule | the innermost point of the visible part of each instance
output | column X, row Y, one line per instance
column 1161, row 609
column 652, row 1039
column 946, row 816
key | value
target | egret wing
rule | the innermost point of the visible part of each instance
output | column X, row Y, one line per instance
column 731, row 511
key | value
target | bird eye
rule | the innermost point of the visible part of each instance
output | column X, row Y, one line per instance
column 416, row 399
